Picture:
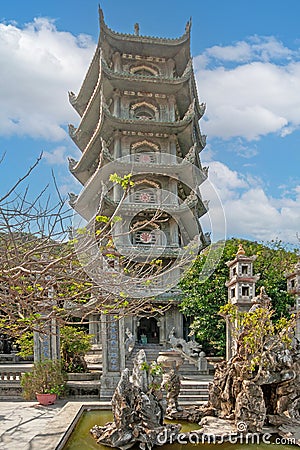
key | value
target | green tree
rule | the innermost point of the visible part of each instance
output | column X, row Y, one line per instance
column 202, row 299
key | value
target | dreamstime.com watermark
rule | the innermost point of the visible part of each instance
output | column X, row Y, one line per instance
column 240, row 437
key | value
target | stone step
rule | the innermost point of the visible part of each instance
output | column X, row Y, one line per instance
column 195, row 403
column 193, row 391
column 89, row 389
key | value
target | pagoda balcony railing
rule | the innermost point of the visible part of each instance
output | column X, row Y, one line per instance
column 131, row 205
column 151, row 251
column 126, row 75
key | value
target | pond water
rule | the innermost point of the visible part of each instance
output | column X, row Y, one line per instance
column 81, row 439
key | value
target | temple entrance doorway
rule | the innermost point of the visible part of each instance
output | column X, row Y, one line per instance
column 148, row 331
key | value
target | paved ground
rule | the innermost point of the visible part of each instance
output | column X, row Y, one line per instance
column 30, row 426
column 22, row 421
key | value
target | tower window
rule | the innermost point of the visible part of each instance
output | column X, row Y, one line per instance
column 293, row 284
column 144, row 70
column 245, row 291
column 232, row 293
column 244, row 269
column 145, row 151
column 145, row 196
column 144, row 110
column 145, row 157
column 145, row 237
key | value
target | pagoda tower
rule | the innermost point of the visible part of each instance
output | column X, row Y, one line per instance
column 139, row 114
column 241, row 289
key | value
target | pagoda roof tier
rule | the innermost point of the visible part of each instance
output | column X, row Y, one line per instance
column 130, row 209
column 145, row 46
column 183, row 88
column 177, row 48
column 105, row 89
column 169, row 165
column 242, row 279
column 185, row 128
column 80, row 101
column 87, row 203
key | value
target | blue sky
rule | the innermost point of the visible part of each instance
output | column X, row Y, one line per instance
column 247, row 66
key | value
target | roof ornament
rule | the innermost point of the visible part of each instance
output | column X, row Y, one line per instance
column 101, row 15
column 72, row 198
column 136, row 29
column 240, row 251
column 72, row 97
column 188, row 25
column 72, row 162
column 202, row 108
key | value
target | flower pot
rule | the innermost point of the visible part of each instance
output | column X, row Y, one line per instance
column 46, row 399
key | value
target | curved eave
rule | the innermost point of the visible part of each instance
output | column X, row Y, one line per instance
column 88, row 84
column 105, row 129
column 242, row 279
column 200, row 108
column 175, row 170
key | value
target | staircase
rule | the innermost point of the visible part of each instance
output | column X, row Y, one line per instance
column 194, row 391
column 194, row 385
column 151, row 350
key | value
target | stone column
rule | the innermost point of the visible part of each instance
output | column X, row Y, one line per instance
column 47, row 342
column 116, row 97
column 95, row 329
column 113, row 354
column 117, row 62
column 172, row 102
column 172, row 145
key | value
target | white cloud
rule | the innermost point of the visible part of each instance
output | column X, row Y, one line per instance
column 250, row 89
column 39, row 64
column 249, row 211
column 255, row 48
column 56, row 157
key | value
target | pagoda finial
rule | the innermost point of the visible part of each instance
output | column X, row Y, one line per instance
column 241, row 250
column 136, row 29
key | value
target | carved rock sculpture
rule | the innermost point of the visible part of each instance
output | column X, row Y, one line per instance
column 250, row 408
column 137, row 411
column 172, row 385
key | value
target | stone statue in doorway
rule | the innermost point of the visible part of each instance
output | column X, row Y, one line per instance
column 129, row 342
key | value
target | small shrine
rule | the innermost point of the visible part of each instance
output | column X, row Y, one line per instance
column 241, row 289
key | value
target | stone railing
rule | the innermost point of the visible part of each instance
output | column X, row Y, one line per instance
column 190, row 350
column 10, row 380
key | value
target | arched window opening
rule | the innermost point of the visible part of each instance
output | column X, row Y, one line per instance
column 144, row 113
column 146, row 191
column 145, row 152
column 144, row 70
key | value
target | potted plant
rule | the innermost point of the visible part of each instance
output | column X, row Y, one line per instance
column 45, row 382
